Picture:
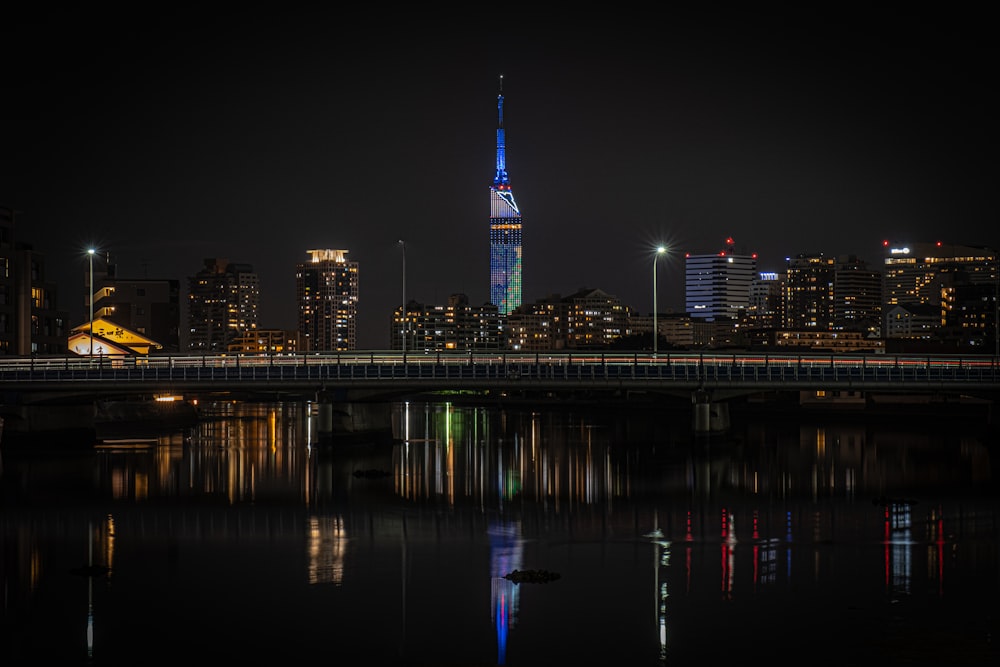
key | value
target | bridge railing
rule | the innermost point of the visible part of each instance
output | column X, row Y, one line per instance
column 581, row 366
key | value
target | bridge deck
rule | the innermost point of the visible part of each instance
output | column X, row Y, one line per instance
column 370, row 373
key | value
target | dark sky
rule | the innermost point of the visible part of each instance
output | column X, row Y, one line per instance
column 169, row 139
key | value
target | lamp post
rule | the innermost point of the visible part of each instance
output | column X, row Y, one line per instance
column 90, row 325
column 403, row 328
column 656, row 334
column 996, row 305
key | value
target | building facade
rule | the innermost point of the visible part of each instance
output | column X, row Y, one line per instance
column 147, row 306
column 587, row 319
column 958, row 282
column 765, row 307
column 30, row 319
column 223, row 303
column 808, row 293
column 265, row 342
column 718, row 285
column 857, row 297
column 505, row 230
column 326, row 290
column 455, row 326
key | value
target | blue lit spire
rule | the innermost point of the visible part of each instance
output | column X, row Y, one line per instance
column 500, row 181
column 505, row 231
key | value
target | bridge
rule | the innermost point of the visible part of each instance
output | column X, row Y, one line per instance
column 706, row 378
column 381, row 375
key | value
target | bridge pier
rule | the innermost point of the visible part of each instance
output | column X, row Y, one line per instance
column 709, row 416
column 339, row 422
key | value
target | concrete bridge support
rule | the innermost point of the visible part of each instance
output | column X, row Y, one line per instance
column 709, row 416
column 342, row 421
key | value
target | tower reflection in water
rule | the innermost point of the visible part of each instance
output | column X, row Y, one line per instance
column 748, row 517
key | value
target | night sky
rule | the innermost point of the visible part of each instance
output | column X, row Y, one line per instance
column 169, row 139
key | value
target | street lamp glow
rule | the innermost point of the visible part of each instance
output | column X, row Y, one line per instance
column 90, row 324
column 656, row 334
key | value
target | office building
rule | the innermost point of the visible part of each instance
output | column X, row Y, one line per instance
column 505, row 230
column 223, row 303
column 326, row 290
column 718, row 285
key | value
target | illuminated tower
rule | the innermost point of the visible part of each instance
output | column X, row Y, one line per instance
column 505, row 231
column 327, row 294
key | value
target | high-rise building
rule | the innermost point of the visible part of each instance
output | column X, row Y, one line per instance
column 505, row 230
column 764, row 311
column 223, row 303
column 30, row 320
column 857, row 294
column 326, row 289
column 718, row 285
column 808, row 292
column 911, row 271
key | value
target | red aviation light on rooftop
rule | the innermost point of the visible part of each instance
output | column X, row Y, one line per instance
column 938, row 244
column 729, row 240
column 754, row 255
column 722, row 254
column 885, row 243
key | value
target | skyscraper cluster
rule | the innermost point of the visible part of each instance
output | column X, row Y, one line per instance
column 924, row 293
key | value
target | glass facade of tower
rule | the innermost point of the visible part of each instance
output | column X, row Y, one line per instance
column 505, row 230
column 505, row 252
column 718, row 285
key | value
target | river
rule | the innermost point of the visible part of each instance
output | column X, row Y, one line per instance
column 520, row 536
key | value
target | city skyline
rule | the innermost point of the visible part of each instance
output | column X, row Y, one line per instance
column 221, row 139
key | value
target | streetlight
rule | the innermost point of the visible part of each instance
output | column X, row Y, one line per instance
column 403, row 328
column 90, row 326
column 996, row 305
column 659, row 251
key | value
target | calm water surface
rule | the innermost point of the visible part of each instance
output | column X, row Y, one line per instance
column 793, row 541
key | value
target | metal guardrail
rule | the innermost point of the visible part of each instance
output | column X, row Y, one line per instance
column 463, row 370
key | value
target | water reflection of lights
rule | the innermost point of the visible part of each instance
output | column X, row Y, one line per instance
column 661, row 561
column 898, row 547
column 512, row 461
column 104, row 536
column 326, row 544
column 506, row 554
column 473, row 453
